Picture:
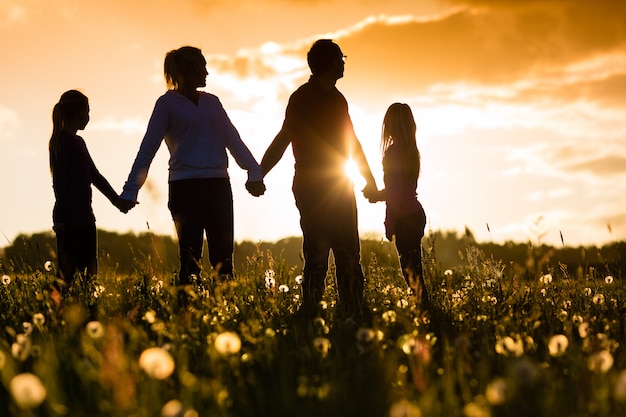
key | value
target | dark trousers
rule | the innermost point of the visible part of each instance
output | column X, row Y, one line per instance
column 409, row 232
column 328, row 217
column 76, row 251
column 203, row 206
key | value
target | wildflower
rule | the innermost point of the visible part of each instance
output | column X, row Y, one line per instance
column 150, row 316
column 173, row 408
column 365, row 335
column 558, row 345
column 546, row 279
column 28, row 327
column 95, row 329
column 608, row 279
column 583, row 330
column 283, row 288
column 509, row 346
column 22, row 347
column 47, row 266
column 270, row 280
column 98, row 291
column 496, row 391
column 402, row 303
column 227, row 343
column 27, row 390
column 322, row 345
column 39, row 319
column 598, row 299
column 6, row 280
column 588, row 291
column 404, row 408
column 619, row 389
column 299, row 279
column 600, row 362
column 156, row 362
column 448, row 273
column 389, row 316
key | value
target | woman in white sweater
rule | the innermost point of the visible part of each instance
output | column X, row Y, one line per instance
column 197, row 132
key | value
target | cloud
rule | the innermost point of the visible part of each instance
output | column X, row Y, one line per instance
column 126, row 127
column 9, row 123
column 603, row 166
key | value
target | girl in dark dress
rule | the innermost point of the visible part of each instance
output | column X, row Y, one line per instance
column 73, row 173
column 405, row 219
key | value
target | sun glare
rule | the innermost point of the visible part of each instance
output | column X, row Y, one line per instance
column 352, row 171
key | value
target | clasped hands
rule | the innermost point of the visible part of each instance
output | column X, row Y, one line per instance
column 256, row 188
column 124, row 205
column 372, row 193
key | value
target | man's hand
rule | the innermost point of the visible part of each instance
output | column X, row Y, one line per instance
column 371, row 193
column 256, row 188
column 124, row 205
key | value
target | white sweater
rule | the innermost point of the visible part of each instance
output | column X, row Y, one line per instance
column 197, row 138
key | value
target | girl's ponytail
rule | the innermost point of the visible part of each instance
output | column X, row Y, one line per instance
column 70, row 104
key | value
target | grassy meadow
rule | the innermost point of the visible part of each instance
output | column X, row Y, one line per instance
column 496, row 341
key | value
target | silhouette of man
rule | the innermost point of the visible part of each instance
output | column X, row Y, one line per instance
column 318, row 126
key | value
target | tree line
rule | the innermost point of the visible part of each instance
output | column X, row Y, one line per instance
column 149, row 253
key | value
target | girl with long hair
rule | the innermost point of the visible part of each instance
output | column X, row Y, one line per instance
column 73, row 173
column 405, row 219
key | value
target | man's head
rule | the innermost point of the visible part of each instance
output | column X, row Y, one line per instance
column 325, row 55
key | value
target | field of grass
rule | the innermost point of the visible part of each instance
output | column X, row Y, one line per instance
column 493, row 343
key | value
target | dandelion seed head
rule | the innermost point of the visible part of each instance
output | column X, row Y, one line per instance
column 322, row 345
column 47, row 266
column 270, row 280
column 558, row 345
column 283, row 288
column 6, row 280
column 608, row 279
column 299, row 279
column 404, row 408
column 39, row 319
column 156, row 362
column 600, row 362
column 546, row 279
column 365, row 335
column 173, row 408
column 583, row 330
column 27, row 390
column 389, row 316
column 227, row 343
column 95, row 330
column 448, row 273
column 28, row 327
column 588, row 291
column 150, row 316
column 22, row 347
column 402, row 303
column 598, row 299
column 496, row 391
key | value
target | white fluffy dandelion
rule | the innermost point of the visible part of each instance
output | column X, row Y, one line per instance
column 598, row 299
column 583, row 330
column 496, row 391
column 299, row 279
column 404, row 408
column 6, row 280
column 47, row 266
column 389, row 316
column 227, row 343
column 27, row 390
column 157, row 362
column 558, row 345
column 322, row 345
column 600, row 362
column 546, row 279
column 283, row 288
column 39, row 319
column 22, row 347
column 173, row 408
column 608, row 279
column 95, row 330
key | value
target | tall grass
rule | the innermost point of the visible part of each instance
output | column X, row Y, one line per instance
column 492, row 343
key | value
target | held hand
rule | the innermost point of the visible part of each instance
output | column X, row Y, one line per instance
column 256, row 188
column 371, row 193
column 124, row 205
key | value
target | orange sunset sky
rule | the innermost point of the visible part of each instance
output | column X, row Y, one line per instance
column 520, row 105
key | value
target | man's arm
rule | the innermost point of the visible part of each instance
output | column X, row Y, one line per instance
column 275, row 151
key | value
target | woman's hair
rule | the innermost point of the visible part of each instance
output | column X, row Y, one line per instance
column 399, row 128
column 70, row 105
column 179, row 61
